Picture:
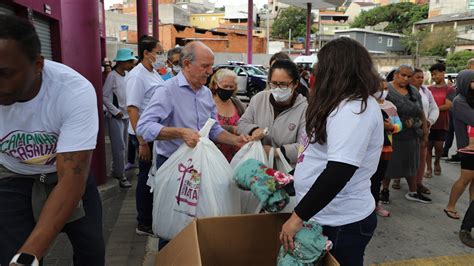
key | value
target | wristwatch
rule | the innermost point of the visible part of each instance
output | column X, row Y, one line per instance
column 24, row 259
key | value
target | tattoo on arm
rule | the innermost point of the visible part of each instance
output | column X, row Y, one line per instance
column 74, row 163
column 77, row 170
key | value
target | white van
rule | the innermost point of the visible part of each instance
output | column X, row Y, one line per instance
column 307, row 61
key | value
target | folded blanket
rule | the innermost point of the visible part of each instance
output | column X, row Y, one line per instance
column 265, row 183
column 310, row 245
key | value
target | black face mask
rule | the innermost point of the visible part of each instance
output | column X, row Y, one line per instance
column 224, row 94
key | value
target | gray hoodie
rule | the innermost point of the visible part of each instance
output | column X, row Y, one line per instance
column 285, row 129
column 463, row 113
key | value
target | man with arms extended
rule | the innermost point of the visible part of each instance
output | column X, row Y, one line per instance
column 48, row 130
column 182, row 105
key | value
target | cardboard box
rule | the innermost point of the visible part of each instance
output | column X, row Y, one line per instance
column 230, row 240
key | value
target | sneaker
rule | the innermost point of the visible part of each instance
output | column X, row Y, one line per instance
column 144, row 230
column 385, row 196
column 415, row 196
column 381, row 211
column 129, row 166
column 453, row 159
column 466, row 238
column 125, row 183
column 444, row 156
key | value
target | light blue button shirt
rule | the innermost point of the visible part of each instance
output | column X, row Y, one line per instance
column 176, row 104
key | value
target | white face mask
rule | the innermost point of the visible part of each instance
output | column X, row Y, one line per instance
column 281, row 94
column 176, row 69
column 381, row 95
column 160, row 62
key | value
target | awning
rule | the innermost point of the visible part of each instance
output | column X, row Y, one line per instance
column 315, row 4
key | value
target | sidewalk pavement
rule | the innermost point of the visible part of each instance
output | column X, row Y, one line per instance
column 124, row 246
column 414, row 230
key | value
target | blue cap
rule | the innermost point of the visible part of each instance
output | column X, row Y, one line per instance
column 124, row 54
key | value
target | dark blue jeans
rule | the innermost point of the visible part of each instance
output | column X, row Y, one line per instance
column 450, row 137
column 131, row 149
column 160, row 160
column 17, row 222
column 143, row 197
column 350, row 240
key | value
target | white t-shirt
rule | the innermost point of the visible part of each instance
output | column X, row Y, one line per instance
column 61, row 118
column 354, row 139
column 141, row 85
column 115, row 85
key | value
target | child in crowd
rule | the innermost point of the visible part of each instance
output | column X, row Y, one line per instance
column 392, row 125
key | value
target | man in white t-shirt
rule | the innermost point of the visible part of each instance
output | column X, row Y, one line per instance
column 141, row 83
column 48, row 131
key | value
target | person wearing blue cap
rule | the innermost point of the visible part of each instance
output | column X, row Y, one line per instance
column 116, row 115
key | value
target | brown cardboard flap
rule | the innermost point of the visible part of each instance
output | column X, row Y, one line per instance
column 183, row 250
column 329, row 260
column 240, row 240
column 231, row 240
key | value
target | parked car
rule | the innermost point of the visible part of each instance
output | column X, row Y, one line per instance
column 453, row 76
column 307, row 61
column 250, row 79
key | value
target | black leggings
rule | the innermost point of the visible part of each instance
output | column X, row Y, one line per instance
column 377, row 178
column 468, row 221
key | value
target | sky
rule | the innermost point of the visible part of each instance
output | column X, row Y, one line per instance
column 219, row 3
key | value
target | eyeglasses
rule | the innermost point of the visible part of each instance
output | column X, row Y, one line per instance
column 274, row 85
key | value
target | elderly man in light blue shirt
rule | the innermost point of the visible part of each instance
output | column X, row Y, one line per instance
column 181, row 106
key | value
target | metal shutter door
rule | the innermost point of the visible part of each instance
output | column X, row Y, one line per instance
column 44, row 33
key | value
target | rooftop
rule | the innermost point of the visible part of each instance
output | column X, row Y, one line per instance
column 365, row 3
column 448, row 18
column 370, row 31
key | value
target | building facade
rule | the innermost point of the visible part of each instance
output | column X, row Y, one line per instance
column 376, row 42
column 355, row 8
column 224, row 42
column 447, row 7
column 206, row 20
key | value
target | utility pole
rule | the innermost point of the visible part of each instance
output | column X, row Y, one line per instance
column 319, row 30
column 417, row 59
column 289, row 42
column 268, row 30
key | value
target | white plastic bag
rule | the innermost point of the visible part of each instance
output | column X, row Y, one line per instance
column 251, row 150
column 193, row 182
column 282, row 165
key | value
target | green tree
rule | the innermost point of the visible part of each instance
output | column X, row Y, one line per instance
column 458, row 61
column 437, row 43
column 399, row 16
column 291, row 18
column 411, row 40
column 434, row 43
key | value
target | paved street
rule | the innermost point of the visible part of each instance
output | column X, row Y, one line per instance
column 417, row 230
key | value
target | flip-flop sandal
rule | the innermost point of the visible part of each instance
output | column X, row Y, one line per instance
column 428, row 174
column 424, row 190
column 396, row 184
column 437, row 170
column 452, row 214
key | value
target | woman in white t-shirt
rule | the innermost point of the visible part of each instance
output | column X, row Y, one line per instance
column 341, row 149
column 116, row 116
